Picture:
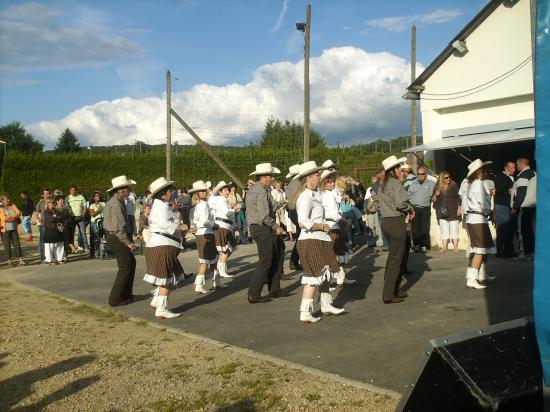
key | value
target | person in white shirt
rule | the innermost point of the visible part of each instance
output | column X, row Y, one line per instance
column 161, row 253
column 478, row 214
column 205, row 226
column 224, row 215
column 337, row 225
column 314, row 244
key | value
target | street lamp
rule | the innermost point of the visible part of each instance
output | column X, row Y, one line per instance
column 5, row 145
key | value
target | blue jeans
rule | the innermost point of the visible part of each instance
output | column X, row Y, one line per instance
column 503, row 220
column 82, row 239
column 26, row 222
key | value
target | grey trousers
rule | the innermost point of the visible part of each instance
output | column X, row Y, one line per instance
column 394, row 230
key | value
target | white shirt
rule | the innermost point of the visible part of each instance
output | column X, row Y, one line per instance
column 478, row 199
column 203, row 218
column 332, row 211
column 162, row 220
column 221, row 210
column 337, row 194
column 310, row 211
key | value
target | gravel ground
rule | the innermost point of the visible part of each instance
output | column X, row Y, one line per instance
column 59, row 355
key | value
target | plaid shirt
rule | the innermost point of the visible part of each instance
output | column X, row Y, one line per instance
column 115, row 220
column 393, row 200
column 260, row 206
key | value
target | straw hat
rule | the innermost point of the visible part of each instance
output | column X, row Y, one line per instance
column 219, row 187
column 308, row 168
column 199, row 186
column 120, row 181
column 326, row 174
column 391, row 162
column 327, row 164
column 476, row 165
column 292, row 171
column 159, row 184
column 265, row 169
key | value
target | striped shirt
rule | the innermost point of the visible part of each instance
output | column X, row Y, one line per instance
column 260, row 206
column 393, row 199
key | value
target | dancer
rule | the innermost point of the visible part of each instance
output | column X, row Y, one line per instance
column 224, row 215
column 337, row 225
column 204, row 223
column 394, row 205
column 294, row 263
column 314, row 244
column 163, row 247
column 478, row 214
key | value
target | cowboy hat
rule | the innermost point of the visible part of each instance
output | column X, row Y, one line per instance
column 160, row 184
column 199, row 186
column 391, row 162
column 476, row 165
column 120, row 181
column 308, row 168
column 220, row 186
column 326, row 174
column 406, row 166
column 327, row 164
column 292, row 171
column 265, row 169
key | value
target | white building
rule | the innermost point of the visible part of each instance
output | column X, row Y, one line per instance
column 476, row 97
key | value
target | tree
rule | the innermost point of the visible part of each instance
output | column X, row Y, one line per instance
column 288, row 134
column 17, row 138
column 67, row 143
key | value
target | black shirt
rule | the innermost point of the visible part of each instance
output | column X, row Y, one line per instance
column 503, row 184
column 27, row 208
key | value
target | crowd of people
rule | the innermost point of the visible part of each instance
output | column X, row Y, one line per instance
column 318, row 208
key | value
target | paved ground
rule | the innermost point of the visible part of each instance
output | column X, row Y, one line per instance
column 374, row 343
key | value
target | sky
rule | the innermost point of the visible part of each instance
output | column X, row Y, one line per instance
column 98, row 67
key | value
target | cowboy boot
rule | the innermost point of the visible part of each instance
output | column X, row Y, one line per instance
column 162, row 311
column 471, row 279
column 217, row 281
column 199, row 285
column 306, row 312
column 326, row 305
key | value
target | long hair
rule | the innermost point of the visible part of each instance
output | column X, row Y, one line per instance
column 297, row 193
column 390, row 174
column 441, row 181
column 195, row 199
column 330, row 178
column 475, row 175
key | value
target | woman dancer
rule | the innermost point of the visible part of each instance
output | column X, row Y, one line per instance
column 478, row 214
column 204, row 223
column 314, row 244
column 161, row 253
column 337, row 225
column 393, row 203
column 224, row 215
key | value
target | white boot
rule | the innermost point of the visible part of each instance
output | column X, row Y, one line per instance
column 482, row 276
column 306, row 312
column 217, row 281
column 341, row 278
column 162, row 309
column 154, row 301
column 222, row 268
column 471, row 279
column 199, row 285
column 326, row 305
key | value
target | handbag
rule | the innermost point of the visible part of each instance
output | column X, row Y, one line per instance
column 441, row 213
column 60, row 227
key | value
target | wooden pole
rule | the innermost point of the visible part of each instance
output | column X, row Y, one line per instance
column 168, row 125
column 208, row 150
column 306, row 83
column 413, row 102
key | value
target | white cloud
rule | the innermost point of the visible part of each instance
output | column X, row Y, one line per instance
column 281, row 17
column 401, row 23
column 354, row 94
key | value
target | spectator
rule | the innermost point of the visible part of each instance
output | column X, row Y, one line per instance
column 524, row 202
column 144, row 223
column 67, row 220
column 54, row 231
column 184, row 205
column 504, row 182
column 130, row 203
column 39, row 213
column 408, row 175
column 146, row 198
column 10, row 217
column 27, row 210
column 447, row 209
column 372, row 226
column 381, row 241
column 96, row 213
column 76, row 205
column 346, row 207
column 421, row 191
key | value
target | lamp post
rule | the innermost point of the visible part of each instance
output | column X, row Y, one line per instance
column 5, row 145
column 305, row 28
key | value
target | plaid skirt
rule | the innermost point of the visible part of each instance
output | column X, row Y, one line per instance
column 163, row 266
column 481, row 240
column 206, row 246
column 225, row 240
column 339, row 240
column 318, row 260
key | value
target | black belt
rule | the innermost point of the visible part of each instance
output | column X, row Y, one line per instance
column 331, row 220
column 172, row 237
column 229, row 222
column 474, row 212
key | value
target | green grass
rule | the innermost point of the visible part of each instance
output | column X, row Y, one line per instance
column 141, row 323
column 100, row 314
column 312, row 397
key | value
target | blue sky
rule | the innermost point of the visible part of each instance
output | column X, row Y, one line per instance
column 57, row 57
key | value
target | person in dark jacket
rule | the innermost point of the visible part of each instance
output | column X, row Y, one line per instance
column 27, row 209
column 524, row 201
column 55, row 227
column 504, row 183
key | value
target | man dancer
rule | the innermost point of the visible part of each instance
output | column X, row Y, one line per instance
column 116, row 227
column 260, row 213
column 504, row 182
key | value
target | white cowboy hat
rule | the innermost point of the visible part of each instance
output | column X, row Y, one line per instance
column 199, row 186
column 308, row 168
column 220, row 186
column 391, row 162
column 160, row 184
column 476, row 165
column 327, row 164
column 120, row 181
column 292, row 171
column 326, row 174
column 265, row 169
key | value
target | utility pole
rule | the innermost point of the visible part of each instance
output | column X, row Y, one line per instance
column 168, row 125
column 413, row 102
column 306, row 82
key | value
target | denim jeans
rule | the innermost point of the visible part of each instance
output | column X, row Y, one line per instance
column 82, row 239
column 26, row 222
column 503, row 220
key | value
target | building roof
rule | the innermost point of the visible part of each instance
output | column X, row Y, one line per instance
column 462, row 35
